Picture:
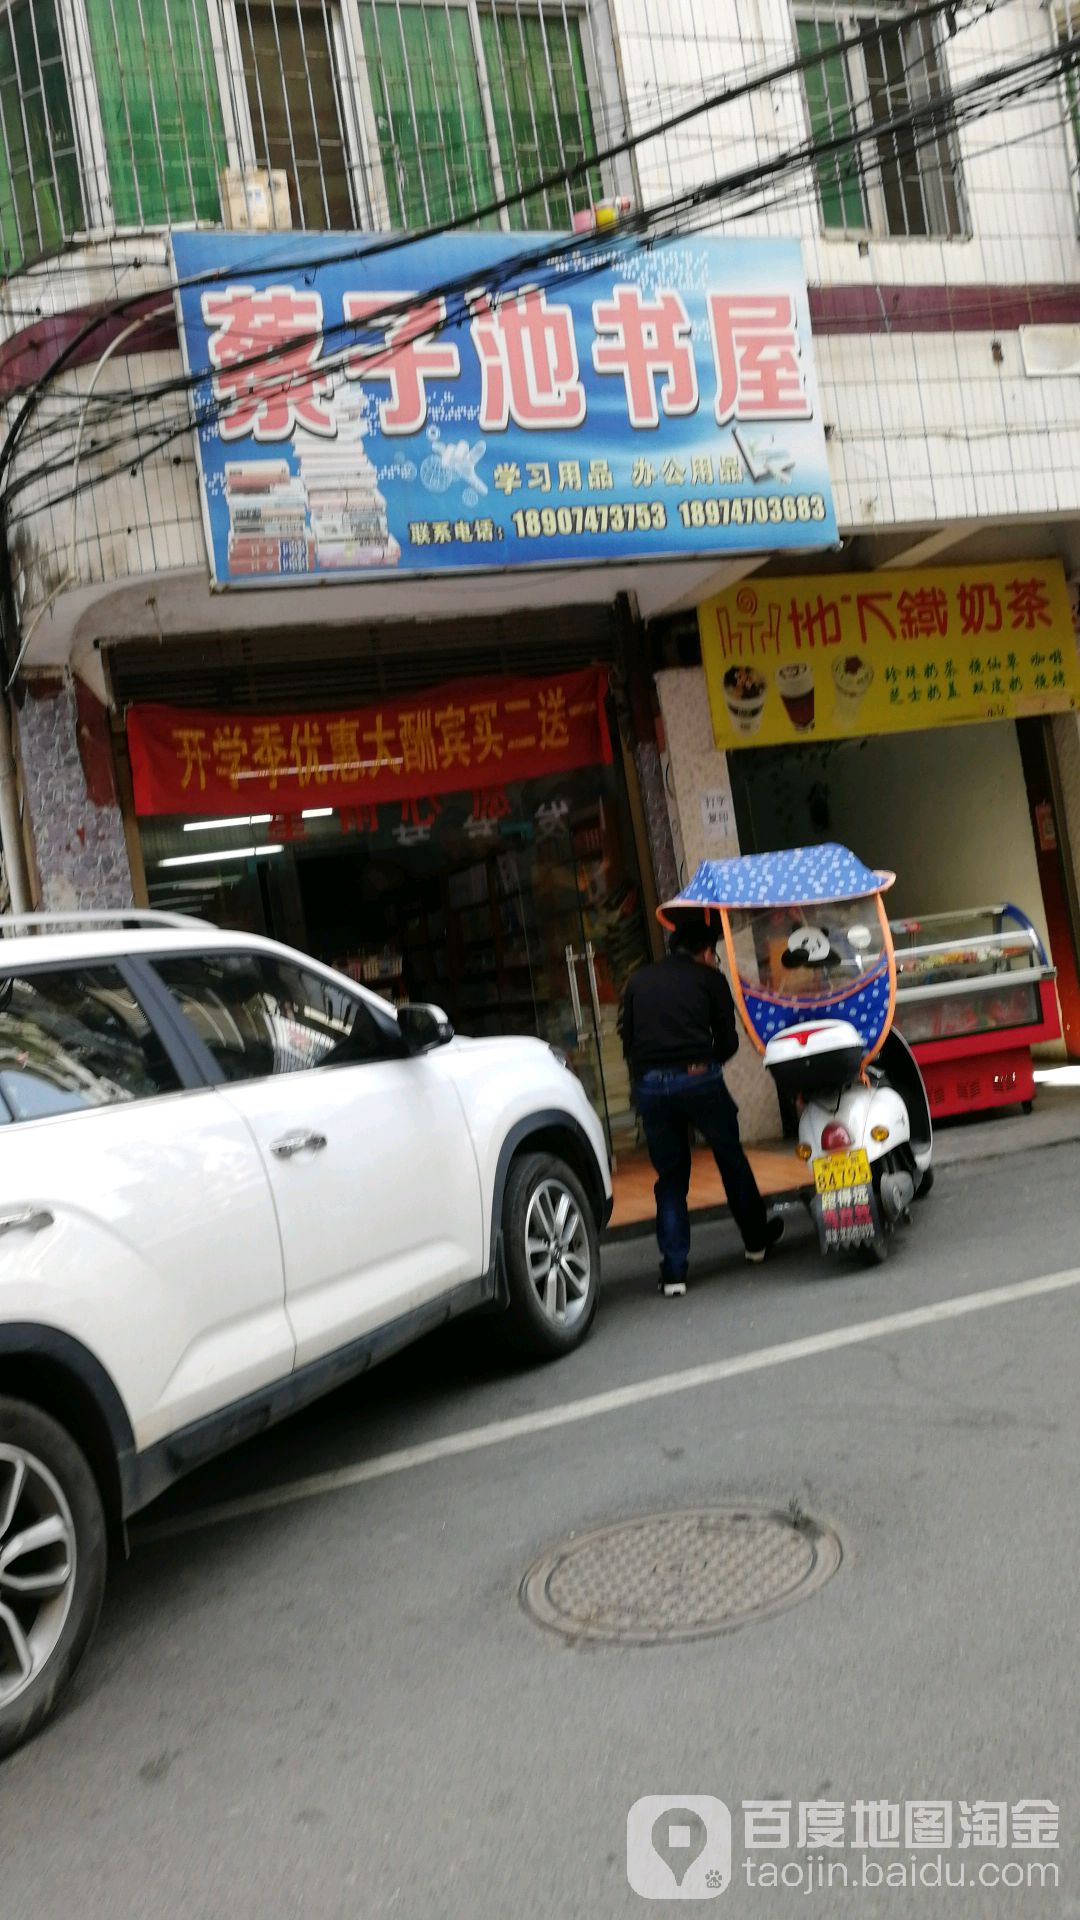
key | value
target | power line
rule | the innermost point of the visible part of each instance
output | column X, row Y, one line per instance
column 856, row 169
column 800, row 64
column 932, row 135
column 646, row 224
column 980, row 96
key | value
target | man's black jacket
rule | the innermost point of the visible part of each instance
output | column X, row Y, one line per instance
column 679, row 1012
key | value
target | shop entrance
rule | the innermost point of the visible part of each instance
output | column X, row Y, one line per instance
column 518, row 909
column 965, row 817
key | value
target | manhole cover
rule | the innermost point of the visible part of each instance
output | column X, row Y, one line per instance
column 677, row 1576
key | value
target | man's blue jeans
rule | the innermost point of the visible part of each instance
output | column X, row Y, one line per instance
column 670, row 1105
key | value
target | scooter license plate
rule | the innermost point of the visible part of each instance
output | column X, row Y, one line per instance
column 833, row 1172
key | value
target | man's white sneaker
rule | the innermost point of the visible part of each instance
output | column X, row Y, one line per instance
column 774, row 1233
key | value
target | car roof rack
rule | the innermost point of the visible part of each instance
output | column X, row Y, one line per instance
column 133, row 917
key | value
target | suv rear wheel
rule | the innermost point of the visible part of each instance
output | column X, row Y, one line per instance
column 53, row 1555
column 552, row 1254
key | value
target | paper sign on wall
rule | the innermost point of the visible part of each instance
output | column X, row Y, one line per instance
column 717, row 817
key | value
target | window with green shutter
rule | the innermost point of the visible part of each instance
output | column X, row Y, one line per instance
column 160, row 110
column 887, row 65
column 832, row 115
column 40, row 193
column 429, row 114
column 439, row 138
column 540, row 101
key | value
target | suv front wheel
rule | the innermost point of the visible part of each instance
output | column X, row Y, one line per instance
column 53, row 1554
column 552, row 1254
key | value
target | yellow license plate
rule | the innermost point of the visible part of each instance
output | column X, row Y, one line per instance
column 834, row 1171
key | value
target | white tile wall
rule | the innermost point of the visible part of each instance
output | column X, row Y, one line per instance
column 933, row 429
column 698, row 768
column 1015, row 166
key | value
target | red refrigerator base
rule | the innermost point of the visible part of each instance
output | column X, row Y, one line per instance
column 977, row 1081
column 976, row 1072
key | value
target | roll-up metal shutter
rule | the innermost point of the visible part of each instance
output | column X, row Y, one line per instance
column 261, row 672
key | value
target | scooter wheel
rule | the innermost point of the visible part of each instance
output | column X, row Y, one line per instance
column 875, row 1252
column 925, row 1184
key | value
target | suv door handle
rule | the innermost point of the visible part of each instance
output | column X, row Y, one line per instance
column 28, row 1220
column 294, row 1143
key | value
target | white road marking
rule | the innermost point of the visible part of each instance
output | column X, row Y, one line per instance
column 615, row 1400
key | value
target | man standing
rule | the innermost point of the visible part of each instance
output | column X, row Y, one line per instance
column 678, row 1027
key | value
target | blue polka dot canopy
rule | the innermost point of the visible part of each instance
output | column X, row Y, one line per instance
column 800, row 876
column 869, row 1009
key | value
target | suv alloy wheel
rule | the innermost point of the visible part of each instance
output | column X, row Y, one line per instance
column 552, row 1256
column 52, row 1565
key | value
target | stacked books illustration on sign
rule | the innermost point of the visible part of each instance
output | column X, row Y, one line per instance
column 328, row 515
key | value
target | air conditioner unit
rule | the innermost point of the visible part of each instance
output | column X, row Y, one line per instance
column 255, row 200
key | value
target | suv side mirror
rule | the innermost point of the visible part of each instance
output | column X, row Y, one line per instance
column 424, row 1028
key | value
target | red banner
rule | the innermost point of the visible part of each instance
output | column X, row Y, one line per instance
column 470, row 734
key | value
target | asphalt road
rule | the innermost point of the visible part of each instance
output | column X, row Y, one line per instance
column 336, row 1706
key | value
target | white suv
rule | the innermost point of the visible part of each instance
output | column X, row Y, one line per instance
column 230, row 1179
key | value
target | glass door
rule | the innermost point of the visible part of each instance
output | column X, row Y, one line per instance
column 580, row 906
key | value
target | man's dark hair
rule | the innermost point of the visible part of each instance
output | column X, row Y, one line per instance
column 694, row 933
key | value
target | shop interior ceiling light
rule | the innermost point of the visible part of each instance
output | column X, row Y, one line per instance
column 233, row 853
column 237, row 820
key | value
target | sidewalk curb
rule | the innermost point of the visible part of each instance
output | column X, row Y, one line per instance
column 791, row 1196
column 701, row 1216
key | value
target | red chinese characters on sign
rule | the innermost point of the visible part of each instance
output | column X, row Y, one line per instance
column 760, row 622
column 272, row 374
column 467, row 736
column 750, row 627
column 980, row 608
column 405, row 354
column 1029, row 605
column 641, row 339
column 815, row 622
column 265, row 348
column 759, row 368
column 923, row 612
column 528, row 362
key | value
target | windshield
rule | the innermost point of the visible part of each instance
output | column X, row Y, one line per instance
column 811, row 953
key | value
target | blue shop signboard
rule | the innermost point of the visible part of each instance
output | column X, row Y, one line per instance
column 367, row 404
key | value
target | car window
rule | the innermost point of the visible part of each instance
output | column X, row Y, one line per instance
column 260, row 1016
column 76, row 1038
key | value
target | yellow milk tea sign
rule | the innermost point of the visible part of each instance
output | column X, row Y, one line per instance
column 832, row 655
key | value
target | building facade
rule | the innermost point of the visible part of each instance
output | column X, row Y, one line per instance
column 925, row 159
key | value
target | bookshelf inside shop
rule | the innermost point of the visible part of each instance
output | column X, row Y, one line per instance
column 487, row 937
column 462, row 939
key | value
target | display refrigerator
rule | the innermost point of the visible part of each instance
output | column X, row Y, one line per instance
column 975, row 993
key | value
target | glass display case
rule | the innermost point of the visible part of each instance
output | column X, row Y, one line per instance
column 974, row 993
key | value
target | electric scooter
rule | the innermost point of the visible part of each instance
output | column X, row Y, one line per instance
column 812, row 970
